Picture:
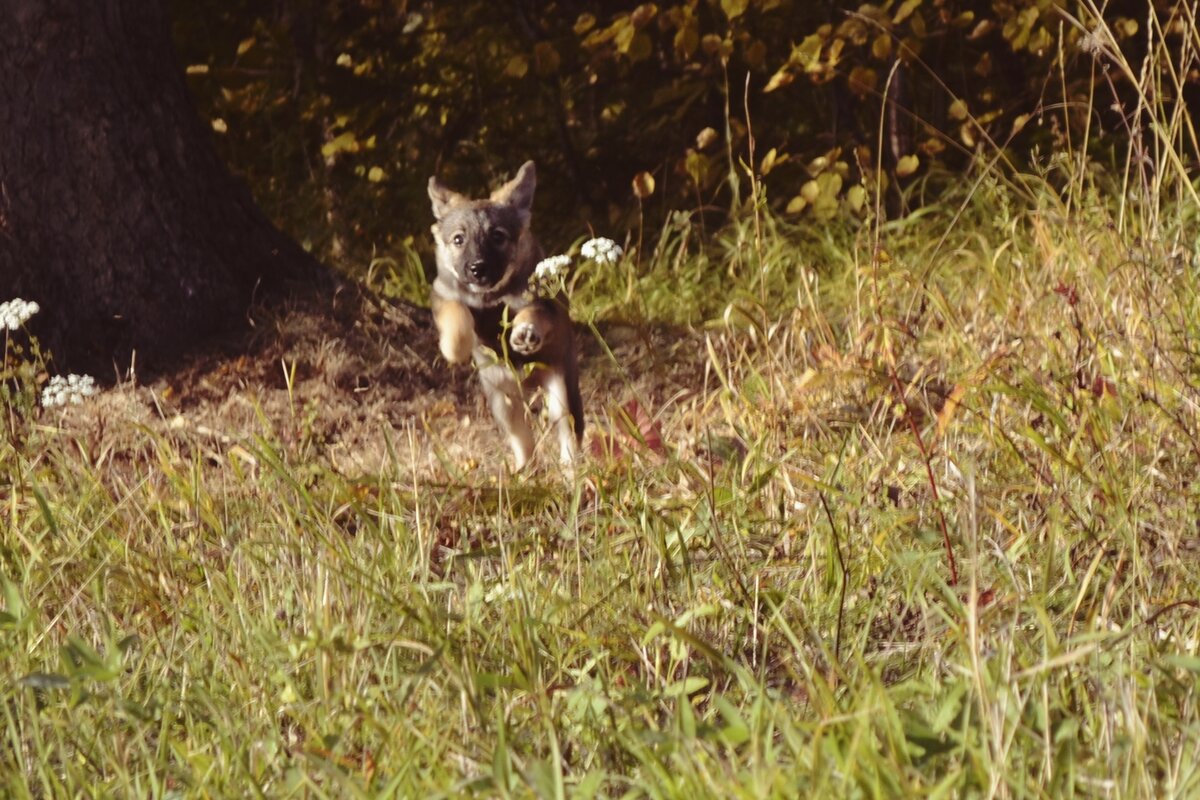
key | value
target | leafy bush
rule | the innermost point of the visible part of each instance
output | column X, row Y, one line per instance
column 337, row 114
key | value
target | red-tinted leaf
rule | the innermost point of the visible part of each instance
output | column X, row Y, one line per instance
column 1102, row 386
column 1067, row 292
column 648, row 431
column 605, row 445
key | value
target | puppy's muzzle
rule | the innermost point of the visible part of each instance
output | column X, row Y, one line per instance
column 478, row 271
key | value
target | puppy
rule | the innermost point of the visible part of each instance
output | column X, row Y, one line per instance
column 484, row 309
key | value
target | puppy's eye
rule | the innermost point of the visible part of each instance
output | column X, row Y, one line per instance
column 458, row 240
column 498, row 236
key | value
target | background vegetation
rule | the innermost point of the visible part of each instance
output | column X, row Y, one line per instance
column 890, row 493
column 339, row 112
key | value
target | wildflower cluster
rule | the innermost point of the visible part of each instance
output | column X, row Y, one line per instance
column 16, row 312
column 551, row 269
column 601, row 250
column 550, row 273
column 70, row 389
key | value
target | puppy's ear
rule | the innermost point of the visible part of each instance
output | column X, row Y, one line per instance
column 443, row 199
column 519, row 191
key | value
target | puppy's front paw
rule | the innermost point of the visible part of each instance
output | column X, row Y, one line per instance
column 526, row 338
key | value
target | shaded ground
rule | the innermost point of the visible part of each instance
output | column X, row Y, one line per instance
column 343, row 379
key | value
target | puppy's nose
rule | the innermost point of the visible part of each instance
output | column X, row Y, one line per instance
column 476, row 268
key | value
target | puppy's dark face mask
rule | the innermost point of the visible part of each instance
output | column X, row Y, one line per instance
column 479, row 242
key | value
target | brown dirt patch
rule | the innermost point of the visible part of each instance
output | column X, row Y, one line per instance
column 358, row 384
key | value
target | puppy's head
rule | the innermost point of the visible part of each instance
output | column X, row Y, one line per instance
column 479, row 240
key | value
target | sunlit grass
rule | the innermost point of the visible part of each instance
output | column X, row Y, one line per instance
column 754, row 597
column 761, row 606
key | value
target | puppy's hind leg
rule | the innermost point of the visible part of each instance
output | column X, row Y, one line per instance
column 504, row 397
column 566, row 413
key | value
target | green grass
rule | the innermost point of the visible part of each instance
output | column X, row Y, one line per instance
column 1003, row 388
column 762, row 609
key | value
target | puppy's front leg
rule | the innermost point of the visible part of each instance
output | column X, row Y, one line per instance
column 540, row 329
column 456, row 329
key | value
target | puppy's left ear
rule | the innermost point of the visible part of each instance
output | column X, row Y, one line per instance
column 519, row 191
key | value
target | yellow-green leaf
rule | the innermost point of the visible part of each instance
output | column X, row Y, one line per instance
column 641, row 48
column 808, row 53
column 1125, row 27
column 376, row 174
column 623, row 38
column 862, row 80
column 584, row 24
column 826, row 208
column 881, row 46
column 734, row 8
column 687, row 39
column 905, row 11
column 830, row 184
column 643, row 14
column 517, row 66
column 769, row 161
column 780, row 79
column 856, row 198
column 966, row 135
column 697, row 167
column 907, row 165
column 344, row 142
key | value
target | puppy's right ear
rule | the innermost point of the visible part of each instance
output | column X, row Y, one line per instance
column 443, row 199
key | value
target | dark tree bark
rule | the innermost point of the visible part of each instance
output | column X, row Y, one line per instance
column 116, row 214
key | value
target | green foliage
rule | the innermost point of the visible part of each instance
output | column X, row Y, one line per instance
column 338, row 113
column 19, row 373
column 22, row 370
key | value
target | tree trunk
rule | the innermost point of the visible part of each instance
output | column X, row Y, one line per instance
column 116, row 214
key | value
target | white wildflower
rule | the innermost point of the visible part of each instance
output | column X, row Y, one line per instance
column 549, row 269
column 16, row 312
column 70, row 389
column 601, row 250
column 1093, row 42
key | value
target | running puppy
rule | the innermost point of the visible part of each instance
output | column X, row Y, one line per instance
column 484, row 309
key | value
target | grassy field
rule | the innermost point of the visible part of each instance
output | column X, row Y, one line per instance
column 869, row 509
column 898, row 511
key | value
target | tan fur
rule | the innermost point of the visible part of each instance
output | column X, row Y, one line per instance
column 456, row 329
